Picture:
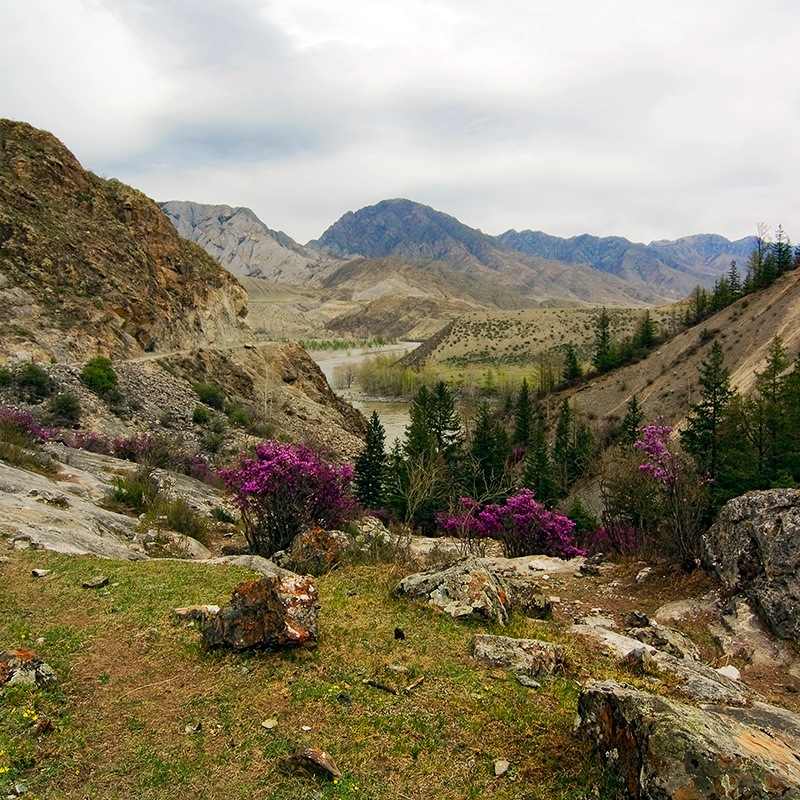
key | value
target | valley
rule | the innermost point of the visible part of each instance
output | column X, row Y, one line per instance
column 577, row 501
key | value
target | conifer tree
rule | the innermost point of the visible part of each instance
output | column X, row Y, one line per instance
column 646, row 332
column 634, row 416
column 523, row 415
column 702, row 437
column 572, row 367
column 489, row 452
column 369, row 466
column 603, row 358
column 538, row 474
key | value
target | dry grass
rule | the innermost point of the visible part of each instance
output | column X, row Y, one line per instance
column 131, row 681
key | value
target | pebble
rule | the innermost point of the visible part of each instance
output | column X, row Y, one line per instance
column 40, row 573
column 96, row 583
column 269, row 724
column 500, row 768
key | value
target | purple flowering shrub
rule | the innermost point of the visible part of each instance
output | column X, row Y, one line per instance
column 680, row 492
column 522, row 524
column 287, row 489
column 22, row 427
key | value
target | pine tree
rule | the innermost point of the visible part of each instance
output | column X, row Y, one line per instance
column 603, row 358
column 538, row 474
column 369, row 465
column 631, row 422
column 523, row 415
column 489, row 452
column 646, row 332
column 702, row 435
column 572, row 367
column 734, row 280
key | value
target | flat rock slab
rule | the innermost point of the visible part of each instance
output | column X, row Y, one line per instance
column 667, row 749
column 524, row 657
column 272, row 612
column 697, row 681
column 464, row 588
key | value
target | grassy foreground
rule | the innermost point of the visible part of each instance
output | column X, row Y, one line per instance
column 132, row 681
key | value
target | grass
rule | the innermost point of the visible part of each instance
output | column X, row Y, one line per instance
column 131, row 680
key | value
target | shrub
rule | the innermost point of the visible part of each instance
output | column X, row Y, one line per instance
column 5, row 377
column 33, row 382
column 238, row 416
column 210, row 395
column 200, row 415
column 522, row 524
column 285, row 490
column 99, row 376
column 64, row 409
column 138, row 491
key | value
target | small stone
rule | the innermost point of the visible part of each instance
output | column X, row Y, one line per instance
column 40, row 573
column 44, row 725
column 500, row 768
column 269, row 724
column 545, row 577
column 187, row 613
column 305, row 728
column 729, row 671
column 96, row 583
column 399, row 633
column 528, row 682
column 312, row 759
column 643, row 574
column 790, row 687
column 193, row 727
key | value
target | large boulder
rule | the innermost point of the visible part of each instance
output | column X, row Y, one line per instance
column 464, row 588
column 276, row 611
column 666, row 749
column 754, row 548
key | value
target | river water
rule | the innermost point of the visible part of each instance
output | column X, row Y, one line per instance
column 393, row 413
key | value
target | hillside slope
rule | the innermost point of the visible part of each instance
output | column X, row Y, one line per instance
column 90, row 266
column 666, row 383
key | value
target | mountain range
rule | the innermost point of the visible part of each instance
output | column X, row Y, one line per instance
column 536, row 268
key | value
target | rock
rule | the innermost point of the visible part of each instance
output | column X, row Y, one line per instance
column 191, row 613
column 754, row 549
column 278, row 611
column 528, row 682
column 742, row 635
column 193, row 727
column 314, row 760
column 22, row 667
column 317, row 551
column 729, row 671
column 643, row 574
column 269, row 724
column 641, row 659
column 96, row 583
column 501, row 768
column 464, row 588
column 529, row 657
column 595, row 620
column 667, row 749
column 526, row 597
column 636, row 619
column 696, row 681
column 40, row 573
column 666, row 639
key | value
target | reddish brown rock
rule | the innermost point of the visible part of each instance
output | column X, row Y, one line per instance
column 273, row 612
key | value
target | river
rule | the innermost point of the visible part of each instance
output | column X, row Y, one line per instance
column 393, row 413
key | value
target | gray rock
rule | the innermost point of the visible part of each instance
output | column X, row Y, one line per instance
column 98, row 582
column 526, row 597
column 754, row 549
column 667, row 749
column 464, row 588
column 529, row 657
column 273, row 612
column 501, row 767
column 528, row 682
column 667, row 640
column 21, row 667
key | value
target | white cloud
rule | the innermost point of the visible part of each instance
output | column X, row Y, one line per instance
column 615, row 118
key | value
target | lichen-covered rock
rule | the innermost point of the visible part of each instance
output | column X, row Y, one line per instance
column 667, row 640
column 522, row 656
column 754, row 548
column 316, row 551
column 665, row 749
column 22, row 667
column 464, row 588
column 273, row 612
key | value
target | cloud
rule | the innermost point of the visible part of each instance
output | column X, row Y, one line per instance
column 616, row 118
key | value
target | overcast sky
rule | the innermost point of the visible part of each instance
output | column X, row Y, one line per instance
column 623, row 117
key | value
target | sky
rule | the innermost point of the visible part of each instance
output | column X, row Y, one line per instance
column 623, row 117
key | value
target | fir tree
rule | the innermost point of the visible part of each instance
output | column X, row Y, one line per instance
column 489, row 452
column 538, row 473
column 369, row 466
column 603, row 358
column 646, row 332
column 572, row 367
column 634, row 416
column 523, row 415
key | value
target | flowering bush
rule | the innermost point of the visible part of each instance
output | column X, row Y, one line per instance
column 15, row 424
column 285, row 490
column 681, row 493
column 524, row 526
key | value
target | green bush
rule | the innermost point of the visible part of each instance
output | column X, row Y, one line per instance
column 210, row 395
column 33, row 382
column 64, row 409
column 200, row 415
column 5, row 377
column 98, row 375
column 239, row 417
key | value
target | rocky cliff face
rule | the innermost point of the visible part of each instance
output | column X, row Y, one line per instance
column 89, row 265
column 244, row 245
